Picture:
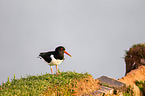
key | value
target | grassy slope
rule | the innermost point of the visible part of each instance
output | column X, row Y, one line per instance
column 63, row 84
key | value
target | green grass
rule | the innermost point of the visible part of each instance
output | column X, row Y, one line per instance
column 46, row 84
column 129, row 92
column 140, row 52
column 140, row 44
column 140, row 84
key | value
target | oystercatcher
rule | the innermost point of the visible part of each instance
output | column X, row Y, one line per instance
column 54, row 58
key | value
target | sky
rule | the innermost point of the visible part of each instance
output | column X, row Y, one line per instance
column 95, row 32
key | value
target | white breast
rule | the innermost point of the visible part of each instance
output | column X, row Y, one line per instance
column 54, row 61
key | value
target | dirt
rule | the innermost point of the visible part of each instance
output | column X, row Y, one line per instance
column 133, row 76
column 135, row 57
column 86, row 86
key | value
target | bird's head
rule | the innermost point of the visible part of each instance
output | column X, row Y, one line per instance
column 61, row 49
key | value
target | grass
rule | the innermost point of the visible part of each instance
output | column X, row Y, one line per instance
column 140, row 51
column 129, row 92
column 129, row 89
column 46, row 84
column 140, row 44
column 140, row 84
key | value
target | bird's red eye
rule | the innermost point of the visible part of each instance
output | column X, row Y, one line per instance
column 61, row 48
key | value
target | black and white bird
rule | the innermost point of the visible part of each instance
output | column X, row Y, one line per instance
column 54, row 58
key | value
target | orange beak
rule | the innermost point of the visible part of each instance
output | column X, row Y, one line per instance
column 67, row 53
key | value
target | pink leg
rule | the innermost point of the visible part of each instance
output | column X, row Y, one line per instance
column 56, row 69
column 51, row 69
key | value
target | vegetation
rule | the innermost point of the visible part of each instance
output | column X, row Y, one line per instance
column 47, row 84
column 129, row 92
column 140, row 44
column 135, row 57
column 140, row 84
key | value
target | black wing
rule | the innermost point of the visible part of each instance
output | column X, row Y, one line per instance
column 46, row 56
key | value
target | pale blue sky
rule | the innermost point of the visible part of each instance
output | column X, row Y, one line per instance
column 94, row 32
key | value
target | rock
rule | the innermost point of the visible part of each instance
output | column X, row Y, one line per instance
column 104, row 91
column 113, row 83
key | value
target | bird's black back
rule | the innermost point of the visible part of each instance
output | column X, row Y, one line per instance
column 46, row 56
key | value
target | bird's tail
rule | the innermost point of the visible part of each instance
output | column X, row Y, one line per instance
column 39, row 57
